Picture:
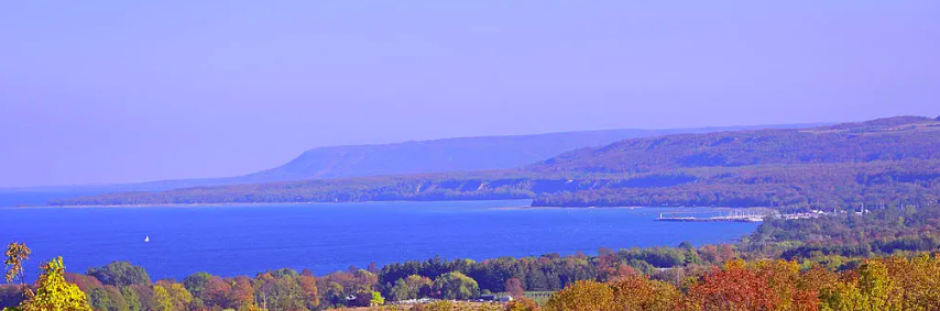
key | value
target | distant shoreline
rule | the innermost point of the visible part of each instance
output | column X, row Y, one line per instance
column 566, row 207
column 246, row 204
column 276, row 204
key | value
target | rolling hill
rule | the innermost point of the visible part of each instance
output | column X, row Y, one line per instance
column 454, row 154
column 414, row 157
column 892, row 161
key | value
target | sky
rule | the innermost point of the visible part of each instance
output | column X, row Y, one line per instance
column 113, row 91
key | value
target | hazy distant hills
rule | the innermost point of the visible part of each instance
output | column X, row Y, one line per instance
column 884, row 162
column 453, row 155
column 416, row 157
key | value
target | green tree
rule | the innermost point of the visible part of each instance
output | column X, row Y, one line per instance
column 418, row 286
column 107, row 298
column 99, row 299
column 377, row 299
column 196, row 283
column 281, row 293
column 400, row 291
column 130, row 296
column 456, row 285
column 120, row 274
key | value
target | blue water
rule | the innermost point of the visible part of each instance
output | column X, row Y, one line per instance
column 244, row 240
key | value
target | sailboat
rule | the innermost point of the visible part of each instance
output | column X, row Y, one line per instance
column 146, row 239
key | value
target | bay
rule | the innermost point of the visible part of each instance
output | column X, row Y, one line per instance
column 234, row 240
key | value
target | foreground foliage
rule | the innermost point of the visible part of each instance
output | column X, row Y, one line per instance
column 894, row 283
column 880, row 258
column 52, row 291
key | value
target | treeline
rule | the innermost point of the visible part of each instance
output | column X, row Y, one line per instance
column 894, row 283
column 802, row 188
column 889, row 283
column 792, row 188
column 121, row 286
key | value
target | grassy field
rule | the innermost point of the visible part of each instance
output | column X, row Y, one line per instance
column 539, row 297
column 435, row 306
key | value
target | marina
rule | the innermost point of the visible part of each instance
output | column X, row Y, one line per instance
column 750, row 215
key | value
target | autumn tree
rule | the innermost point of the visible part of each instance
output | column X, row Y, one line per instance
column 308, row 284
column 917, row 279
column 878, row 290
column 216, row 292
column 16, row 254
column 514, row 288
column 639, row 293
column 784, row 280
column 582, row 296
column 171, row 296
column 161, row 299
column 242, row 294
column 54, row 293
column 734, row 288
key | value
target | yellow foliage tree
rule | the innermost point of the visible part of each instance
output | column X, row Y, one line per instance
column 161, row 299
column 582, row 296
column 639, row 293
column 54, row 293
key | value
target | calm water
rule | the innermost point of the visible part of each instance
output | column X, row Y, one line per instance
column 243, row 240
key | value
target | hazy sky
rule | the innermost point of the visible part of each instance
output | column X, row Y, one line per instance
column 119, row 91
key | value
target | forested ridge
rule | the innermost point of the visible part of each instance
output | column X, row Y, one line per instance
column 885, row 258
column 415, row 157
column 884, row 162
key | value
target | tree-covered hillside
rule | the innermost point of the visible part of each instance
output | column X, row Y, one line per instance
column 413, row 157
column 885, row 162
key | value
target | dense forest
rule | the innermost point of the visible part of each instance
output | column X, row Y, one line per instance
column 886, row 162
column 879, row 257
